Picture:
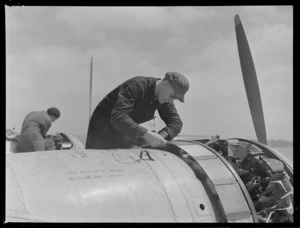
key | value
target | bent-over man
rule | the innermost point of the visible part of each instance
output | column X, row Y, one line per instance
column 33, row 136
column 115, row 121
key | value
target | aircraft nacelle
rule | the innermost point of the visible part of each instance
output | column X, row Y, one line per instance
column 149, row 185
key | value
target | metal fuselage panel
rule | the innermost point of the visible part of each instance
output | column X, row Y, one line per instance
column 104, row 186
column 229, row 189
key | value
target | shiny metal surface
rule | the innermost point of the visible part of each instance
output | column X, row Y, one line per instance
column 104, row 186
column 227, row 186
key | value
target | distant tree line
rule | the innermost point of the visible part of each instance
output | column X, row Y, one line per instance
column 281, row 143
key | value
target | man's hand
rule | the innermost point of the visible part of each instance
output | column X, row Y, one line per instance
column 213, row 139
column 154, row 140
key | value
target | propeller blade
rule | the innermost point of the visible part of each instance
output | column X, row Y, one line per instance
column 250, row 81
column 91, row 83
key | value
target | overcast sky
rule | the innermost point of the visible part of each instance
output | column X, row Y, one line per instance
column 48, row 53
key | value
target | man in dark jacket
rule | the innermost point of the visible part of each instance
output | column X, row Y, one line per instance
column 115, row 121
column 33, row 136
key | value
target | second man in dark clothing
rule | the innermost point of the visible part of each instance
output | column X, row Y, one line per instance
column 115, row 121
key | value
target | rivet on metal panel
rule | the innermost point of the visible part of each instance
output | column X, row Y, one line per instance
column 201, row 206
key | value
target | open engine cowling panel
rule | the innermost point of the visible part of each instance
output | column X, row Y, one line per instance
column 265, row 178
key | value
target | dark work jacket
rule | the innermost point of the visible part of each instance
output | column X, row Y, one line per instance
column 115, row 121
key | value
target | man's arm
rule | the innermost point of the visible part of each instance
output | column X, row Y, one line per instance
column 122, row 122
column 45, row 127
column 213, row 139
column 168, row 113
column 120, row 116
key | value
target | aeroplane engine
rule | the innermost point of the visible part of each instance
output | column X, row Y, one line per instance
column 185, row 182
column 132, row 185
column 267, row 179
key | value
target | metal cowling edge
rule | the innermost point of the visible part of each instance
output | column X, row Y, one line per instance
column 202, row 176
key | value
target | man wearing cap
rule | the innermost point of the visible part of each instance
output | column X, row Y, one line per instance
column 33, row 136
column 115, row 121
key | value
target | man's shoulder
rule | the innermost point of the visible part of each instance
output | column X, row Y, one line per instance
column 34, row 113
column 38, row 115
column 141, row 80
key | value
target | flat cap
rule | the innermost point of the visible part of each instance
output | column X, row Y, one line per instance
column 179, row 82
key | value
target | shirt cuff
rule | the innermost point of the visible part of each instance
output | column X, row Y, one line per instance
column 164, row 134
